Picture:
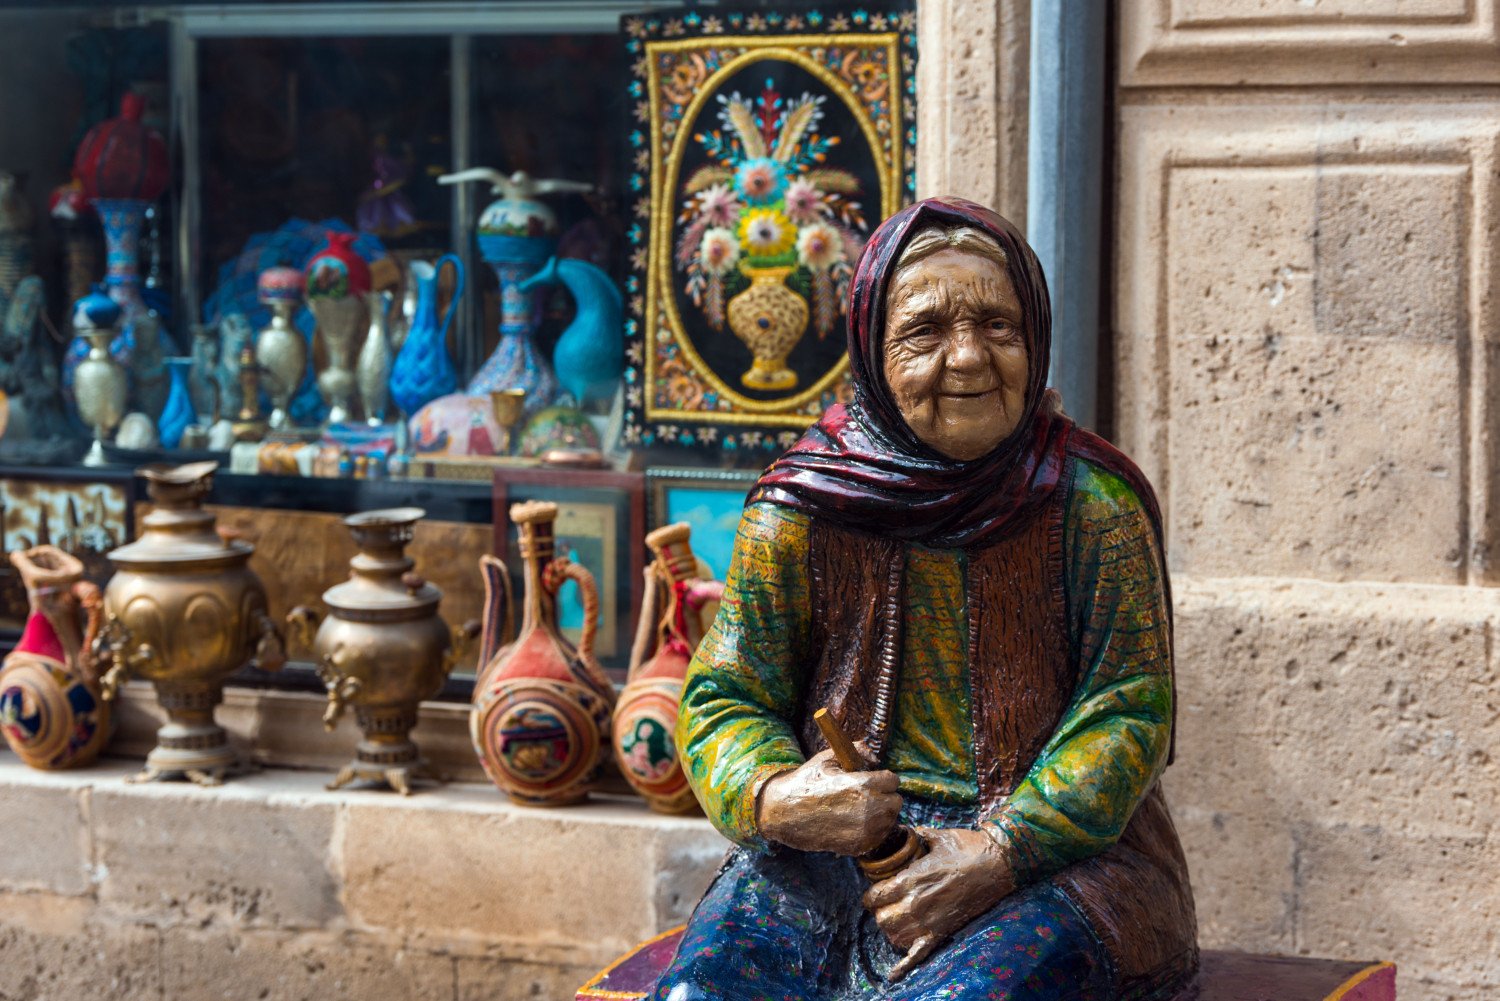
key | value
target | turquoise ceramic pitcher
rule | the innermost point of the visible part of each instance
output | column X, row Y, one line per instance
column 424, row 370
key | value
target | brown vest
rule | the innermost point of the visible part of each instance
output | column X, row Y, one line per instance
column 1023, row 670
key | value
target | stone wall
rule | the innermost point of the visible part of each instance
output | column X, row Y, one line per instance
column 1305, row 224
column 272, row 889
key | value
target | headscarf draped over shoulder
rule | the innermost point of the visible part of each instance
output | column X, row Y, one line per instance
column 861, row 466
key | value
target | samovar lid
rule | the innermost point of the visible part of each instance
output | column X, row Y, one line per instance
column 178, row 531
column 382, row 581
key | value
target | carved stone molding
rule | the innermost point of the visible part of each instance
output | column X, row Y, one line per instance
column 972, row 93
column 1165, row 43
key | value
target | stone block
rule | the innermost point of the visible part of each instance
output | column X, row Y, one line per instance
column 476, row 867
column 1321, row 382
column 1242, row 866
column 46, row 833
column 1304, row 330
column 516, row 980
column 1338, row 772
column 298, row 966
column 56, row 948
column 1321, row 702
column 254, row 852
column 1235, row 42
column 687, row 859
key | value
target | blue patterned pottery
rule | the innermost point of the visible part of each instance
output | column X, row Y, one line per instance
column 423, row 370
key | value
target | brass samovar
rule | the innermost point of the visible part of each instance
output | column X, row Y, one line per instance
column 184, row 611
column 383, row 649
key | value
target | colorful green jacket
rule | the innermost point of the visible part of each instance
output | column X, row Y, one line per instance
column 737, row 726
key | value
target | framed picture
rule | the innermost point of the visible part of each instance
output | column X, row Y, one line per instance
column 710, row 500
column 764, row 148
column 85, row 512
column 601, row 523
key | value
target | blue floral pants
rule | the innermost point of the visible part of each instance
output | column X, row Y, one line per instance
column 790, row 926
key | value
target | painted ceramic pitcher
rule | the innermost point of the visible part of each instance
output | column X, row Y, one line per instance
column 423, row 370
column 678, row 607
column 51, row 712
column 542, row 706
column 517, row 234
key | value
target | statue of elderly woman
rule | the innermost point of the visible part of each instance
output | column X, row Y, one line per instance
column 974, row 588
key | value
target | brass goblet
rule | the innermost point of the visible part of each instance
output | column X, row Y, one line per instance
column 508, row 406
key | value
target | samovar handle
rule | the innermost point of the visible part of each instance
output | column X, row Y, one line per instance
column 563, row 569
column 304, row 622
column 463, row 638
column 270, row 646
column 112, row 642
column 340, row 687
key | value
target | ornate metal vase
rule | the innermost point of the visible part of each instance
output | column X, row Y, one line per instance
column 339, row 325
column 672, row 624
column 184, row 611
column 52, row 713
column 383, row 649
column 770, row 318
column 542, row 706
column 100, row 384
column 373, row 370
column 280, row 348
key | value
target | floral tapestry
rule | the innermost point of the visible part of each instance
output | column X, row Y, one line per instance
column 765, row 148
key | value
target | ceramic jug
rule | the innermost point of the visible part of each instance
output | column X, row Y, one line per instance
column 51, row 712
column 590, row 354
column 423, row 370
column 542, row 706
column 678, row 606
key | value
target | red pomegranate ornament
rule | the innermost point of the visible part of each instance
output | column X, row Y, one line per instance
column 337, row 270
column 123, row 158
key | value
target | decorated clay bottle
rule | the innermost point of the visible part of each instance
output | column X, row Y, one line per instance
column 51, row 710
column 672, row 623
column 540, row 723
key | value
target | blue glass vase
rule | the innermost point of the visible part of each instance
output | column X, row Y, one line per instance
column 178, row 412
column 423, row 370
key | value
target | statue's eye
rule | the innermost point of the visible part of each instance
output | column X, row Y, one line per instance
column 1002, row 329
column 923, row 337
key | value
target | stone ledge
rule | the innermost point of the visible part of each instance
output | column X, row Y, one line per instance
column 285, row 729
column 272, row 886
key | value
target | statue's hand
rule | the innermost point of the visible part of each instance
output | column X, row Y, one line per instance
column 963, row 874
column 819, row 807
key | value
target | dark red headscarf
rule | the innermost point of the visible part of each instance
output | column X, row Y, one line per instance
column 862, row 467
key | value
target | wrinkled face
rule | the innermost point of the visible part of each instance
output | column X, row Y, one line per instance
column 955, row 352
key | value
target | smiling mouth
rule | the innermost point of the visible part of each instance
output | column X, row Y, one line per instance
column 970, row 395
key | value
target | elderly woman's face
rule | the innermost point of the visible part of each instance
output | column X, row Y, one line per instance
column 955, row 352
